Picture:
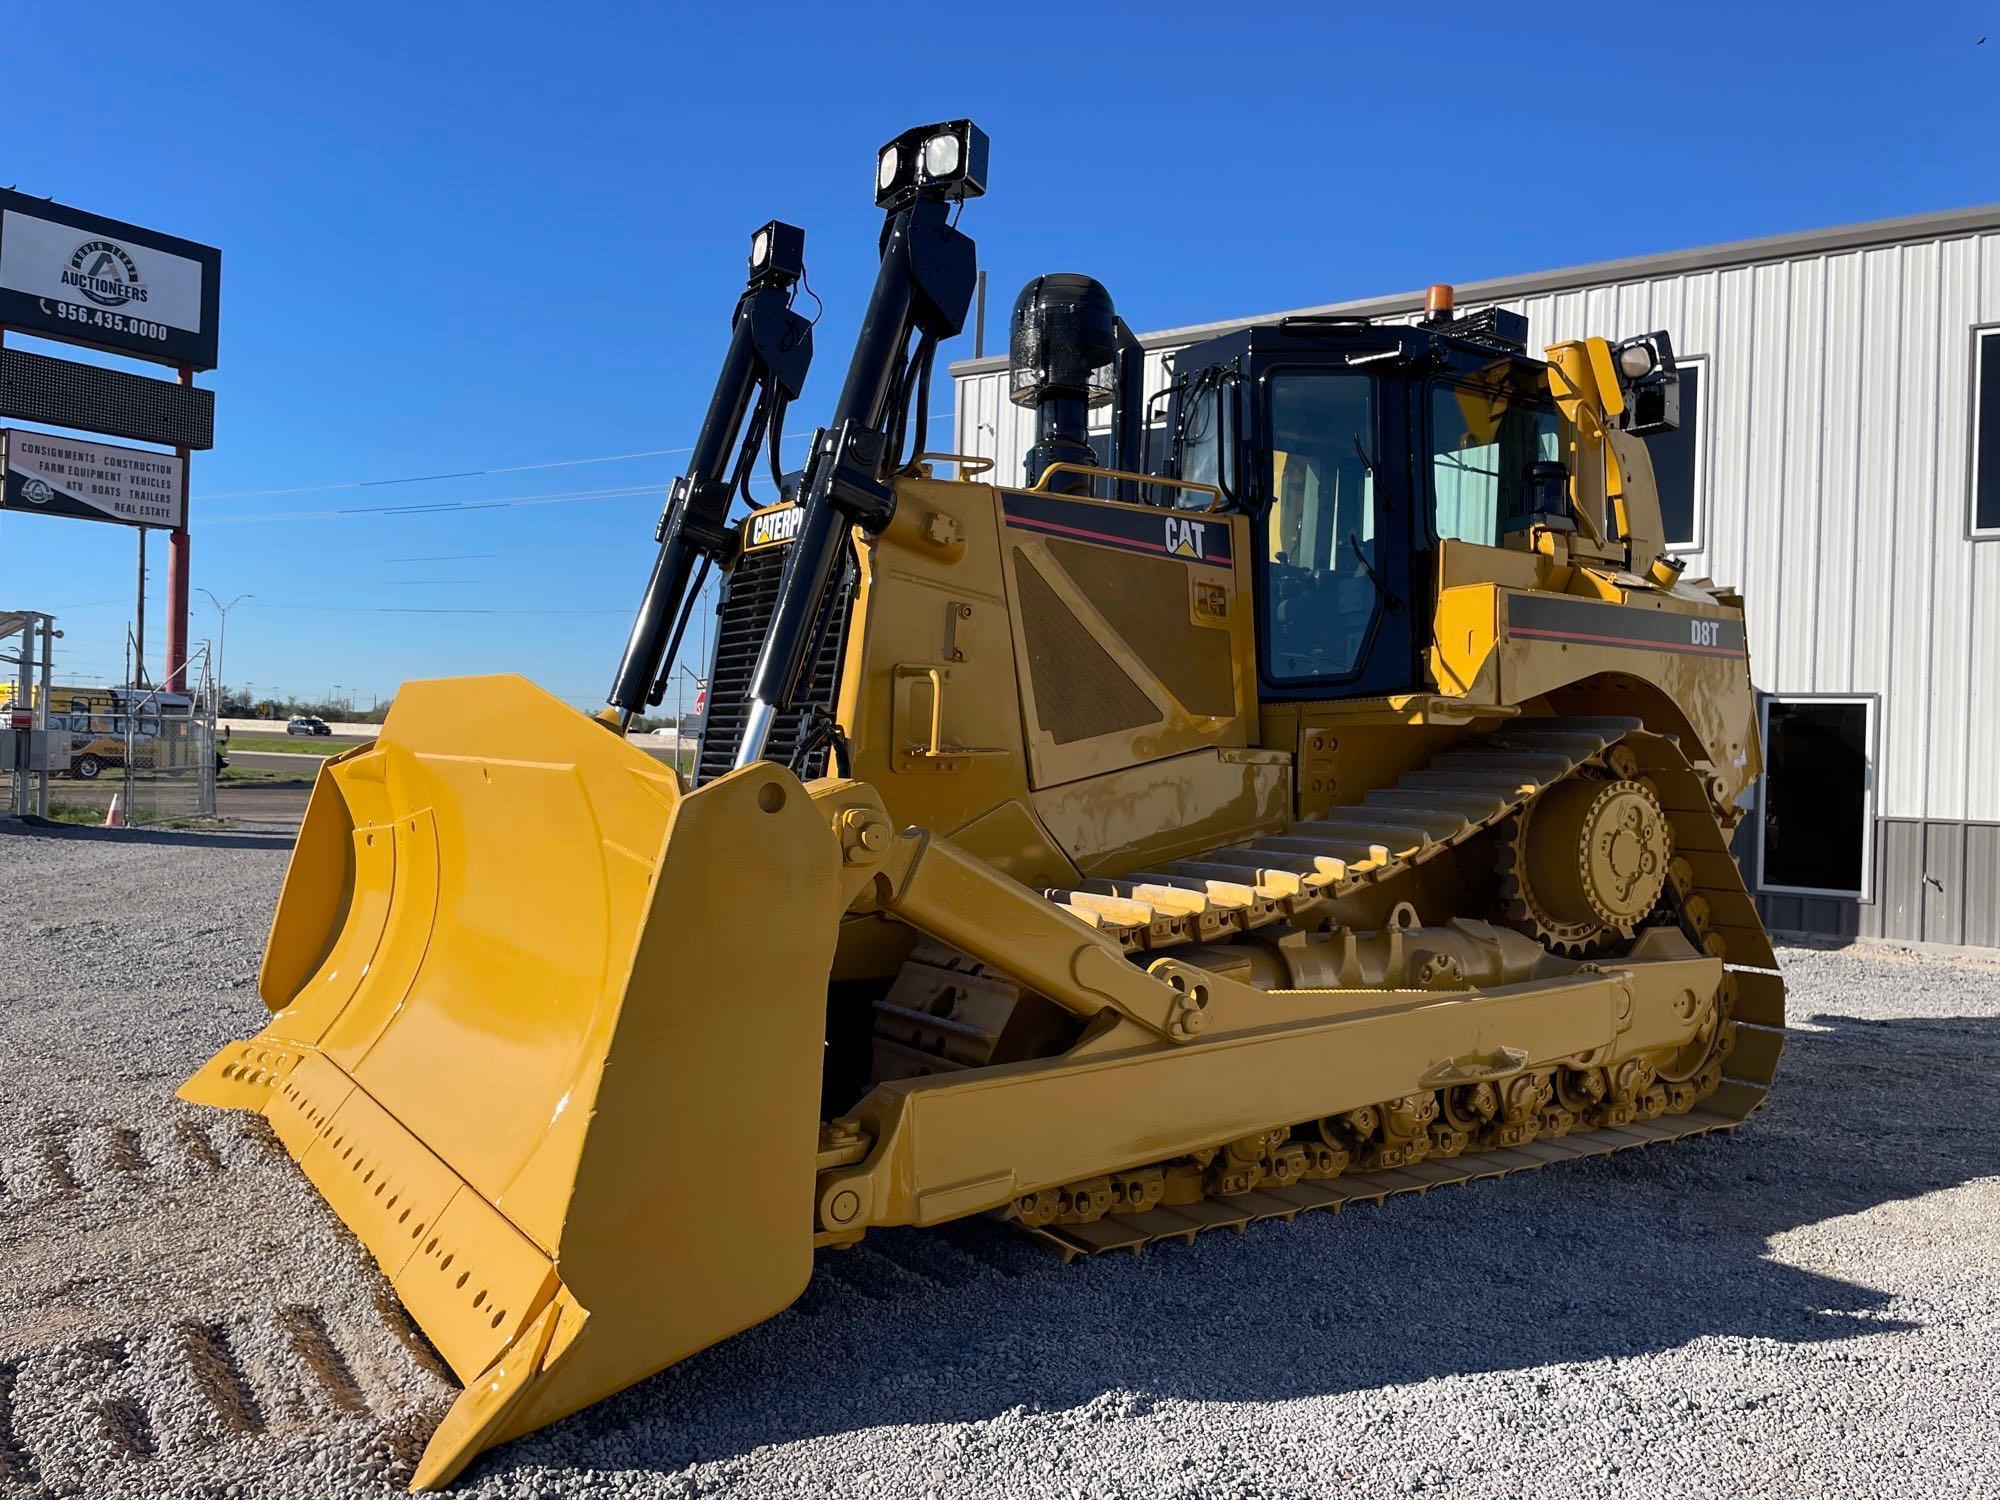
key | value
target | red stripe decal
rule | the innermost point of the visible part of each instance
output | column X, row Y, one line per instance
column 1132, row 542
column 1095, row 536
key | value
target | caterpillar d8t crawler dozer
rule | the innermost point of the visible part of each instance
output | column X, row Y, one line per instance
column 1322, row 794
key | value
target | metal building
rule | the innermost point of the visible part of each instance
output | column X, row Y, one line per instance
column 1839, row 463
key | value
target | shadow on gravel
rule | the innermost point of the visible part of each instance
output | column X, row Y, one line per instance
column 43, row 828
column 1593, row 1260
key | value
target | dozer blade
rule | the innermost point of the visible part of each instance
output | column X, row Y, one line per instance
column 548, row 1039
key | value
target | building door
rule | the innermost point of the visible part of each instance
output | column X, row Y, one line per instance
column 1817, row 811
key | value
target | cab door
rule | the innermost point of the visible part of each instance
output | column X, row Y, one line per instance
column 1331, row 533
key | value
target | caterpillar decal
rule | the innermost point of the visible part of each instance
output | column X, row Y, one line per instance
column 1132, row 528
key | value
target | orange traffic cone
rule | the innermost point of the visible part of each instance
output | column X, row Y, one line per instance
column 115, row 816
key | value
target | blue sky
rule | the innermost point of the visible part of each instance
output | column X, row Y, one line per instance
column 480, row 238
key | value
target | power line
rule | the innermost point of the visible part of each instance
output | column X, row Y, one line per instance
column 560, row 463
column 362, row 484
column 554, row 497
column 396, row 609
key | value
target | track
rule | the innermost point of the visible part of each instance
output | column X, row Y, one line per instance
column 1467, row 791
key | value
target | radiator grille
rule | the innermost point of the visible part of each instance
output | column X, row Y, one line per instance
column 749, row 597
column 1145, row 599
column 1080, row 691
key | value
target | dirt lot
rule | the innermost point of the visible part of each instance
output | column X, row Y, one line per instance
column 1811, row 1306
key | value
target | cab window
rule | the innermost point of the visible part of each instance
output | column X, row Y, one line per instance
column 1206, row 446
column 1484, row 444
column 1318, row 535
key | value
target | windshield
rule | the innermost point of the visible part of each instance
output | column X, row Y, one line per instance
column 1322, row 590
column 1483, row 445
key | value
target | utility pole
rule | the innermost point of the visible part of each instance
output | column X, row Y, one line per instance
column 138, row 672
column 682, row 676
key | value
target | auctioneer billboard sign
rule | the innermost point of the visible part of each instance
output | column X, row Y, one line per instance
column 86, row 279
column 59, row 476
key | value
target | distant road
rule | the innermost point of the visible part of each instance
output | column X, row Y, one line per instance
column 340, row 728
column 362, row 734
column 264, row 760
column 265, row 732
column 307, row 764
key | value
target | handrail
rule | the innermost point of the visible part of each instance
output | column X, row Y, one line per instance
column 1041, row 485
column 968, row 463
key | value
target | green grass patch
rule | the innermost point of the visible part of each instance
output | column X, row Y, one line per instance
column 75, row 812
column 295, row 744
column 235, row 775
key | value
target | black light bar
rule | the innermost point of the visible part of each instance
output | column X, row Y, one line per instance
column 945, row 162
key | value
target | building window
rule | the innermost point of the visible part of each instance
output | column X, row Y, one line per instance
column 1678, row 470
column 1986, row 432
column 1817, row 812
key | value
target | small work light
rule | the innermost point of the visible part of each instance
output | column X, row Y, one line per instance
column 1636, row 359
column 777, row 254
column 1652, row 385
column 885, row 168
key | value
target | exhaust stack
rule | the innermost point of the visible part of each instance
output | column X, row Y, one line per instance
column 1062, row 339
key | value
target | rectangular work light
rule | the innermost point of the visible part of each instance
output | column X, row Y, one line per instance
column 946, row 162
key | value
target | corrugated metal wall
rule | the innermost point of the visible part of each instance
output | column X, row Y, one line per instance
column 1934, row 882
column 1837, row 391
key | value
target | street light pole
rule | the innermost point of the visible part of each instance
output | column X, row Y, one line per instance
column 682, row 676
column 222, row 636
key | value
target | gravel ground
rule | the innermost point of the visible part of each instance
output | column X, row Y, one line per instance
column 1811, row 1306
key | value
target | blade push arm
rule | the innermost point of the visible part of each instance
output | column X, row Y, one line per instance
column 770, row 350
column 922, row 290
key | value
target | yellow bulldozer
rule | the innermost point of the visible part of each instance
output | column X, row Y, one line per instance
column 1321, row 791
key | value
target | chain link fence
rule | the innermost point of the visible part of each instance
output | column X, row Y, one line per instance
column 168, row 750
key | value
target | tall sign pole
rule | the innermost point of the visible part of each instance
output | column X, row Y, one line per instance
column 139, row 629
column 177, row 576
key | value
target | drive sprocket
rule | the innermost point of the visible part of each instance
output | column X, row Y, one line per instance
column 1584, row 863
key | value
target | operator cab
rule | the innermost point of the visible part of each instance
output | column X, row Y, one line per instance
column 1356, row 448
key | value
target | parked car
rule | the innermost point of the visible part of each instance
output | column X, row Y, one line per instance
column 306, row 724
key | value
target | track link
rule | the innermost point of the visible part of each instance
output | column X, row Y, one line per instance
column 1291, row 876
column 1294, row 875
